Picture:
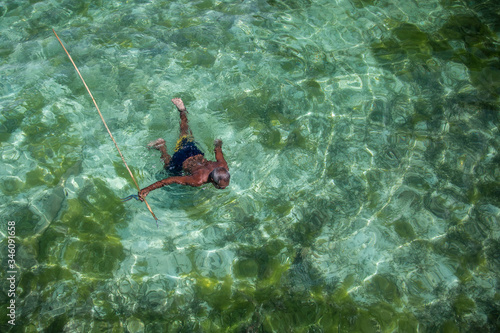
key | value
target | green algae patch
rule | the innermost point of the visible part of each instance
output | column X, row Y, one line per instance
column 122, row 171
column 296, row 140
column 238, row 313
column 404, row 229
column 46, row 276
column 305, row 231
column 385, row 288
column 57, row 324
column 11, row 120
column 362, row 3
column 103, row 307
column 39, row 176
column 53, row 148
column 413, row 41
column 258, row 109
column 33, row 99
column 11, row 185
column 281, row 206
column 93, row 248
column 216, row 293
column 262, row 263
column 407, row 322
column 408, row 46
column 201, row 58
column 272, row 273
column 481, row 53
column 77, row 252
column 468, row 28
column 313, row 90
column 449, row 327
column 270, row 137
column 389, row 54
column 463, row 305
column 247, row 268
column 463, row 274
column 96, row 258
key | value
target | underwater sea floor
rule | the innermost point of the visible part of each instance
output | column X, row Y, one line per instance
column 362, row 138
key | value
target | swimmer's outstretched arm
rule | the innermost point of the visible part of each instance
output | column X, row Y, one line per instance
column 182, row 180
column 219, row 156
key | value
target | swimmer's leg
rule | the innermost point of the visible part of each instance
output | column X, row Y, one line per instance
column 185, row 130
column 159, row 144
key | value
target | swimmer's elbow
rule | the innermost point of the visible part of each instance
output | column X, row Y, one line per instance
column 186, row 180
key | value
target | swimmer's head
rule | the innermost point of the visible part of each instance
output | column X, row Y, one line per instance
column 220, row 177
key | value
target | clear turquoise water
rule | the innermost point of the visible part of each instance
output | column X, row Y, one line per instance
column 362, row 137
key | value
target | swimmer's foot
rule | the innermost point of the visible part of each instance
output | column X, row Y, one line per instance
column 179, row 104
column 157, row 144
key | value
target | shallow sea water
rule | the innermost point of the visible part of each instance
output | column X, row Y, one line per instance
column 362, row 139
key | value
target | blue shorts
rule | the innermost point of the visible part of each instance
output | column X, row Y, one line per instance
column 184, row 149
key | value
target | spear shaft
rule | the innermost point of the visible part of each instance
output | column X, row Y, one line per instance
column 105, row 125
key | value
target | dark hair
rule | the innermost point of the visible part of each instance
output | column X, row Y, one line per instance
column 220, row 174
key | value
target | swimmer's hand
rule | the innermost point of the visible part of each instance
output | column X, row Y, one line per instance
column 139, row 197
column 218, row 143
column 142, row 194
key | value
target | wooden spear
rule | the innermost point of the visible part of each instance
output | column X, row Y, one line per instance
column 105, row 125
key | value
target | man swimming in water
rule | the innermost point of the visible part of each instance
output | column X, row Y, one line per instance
column 188, row 160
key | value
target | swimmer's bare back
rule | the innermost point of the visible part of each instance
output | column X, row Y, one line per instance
column 197, row 169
